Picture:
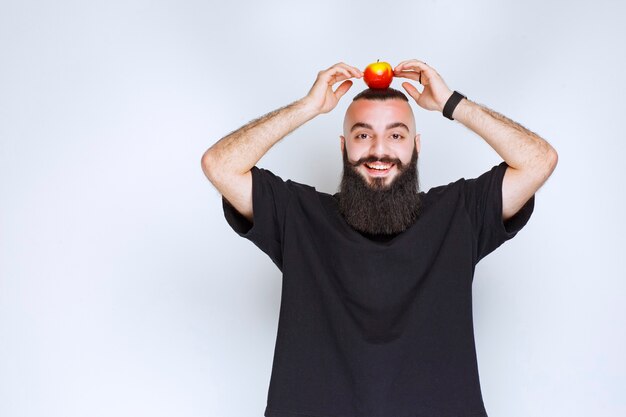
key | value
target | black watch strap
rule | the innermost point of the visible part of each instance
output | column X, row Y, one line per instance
column 451, row 104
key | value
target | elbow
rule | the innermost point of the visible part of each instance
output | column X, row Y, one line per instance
column 204, row 161
column 207, row 163
column 208, row 157
column 549, row 163
column 554, row 158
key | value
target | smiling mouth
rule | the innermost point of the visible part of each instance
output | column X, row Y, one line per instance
column 377, row 169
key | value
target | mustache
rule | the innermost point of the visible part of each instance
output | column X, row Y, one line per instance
column 372, row 159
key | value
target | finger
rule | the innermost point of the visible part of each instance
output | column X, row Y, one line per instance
column 353, row 70
column 421, row 72
column 411, row 61
column 405, row 62
column 338, row 69
column 343, row 88
column 411, row 64
column 413, row 75
column 341, row 77
column 413, row 92
column 336, row 74
column 412, row 68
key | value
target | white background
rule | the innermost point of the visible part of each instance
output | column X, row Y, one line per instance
column 124, row 292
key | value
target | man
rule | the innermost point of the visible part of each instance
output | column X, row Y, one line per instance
column 376, row 305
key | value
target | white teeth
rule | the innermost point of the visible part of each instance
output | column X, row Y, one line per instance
column 379, row 167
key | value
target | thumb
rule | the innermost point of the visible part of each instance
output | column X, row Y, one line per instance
column 343, row 88
column 412, row 90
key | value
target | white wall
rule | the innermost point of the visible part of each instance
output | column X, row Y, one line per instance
column 124, row 292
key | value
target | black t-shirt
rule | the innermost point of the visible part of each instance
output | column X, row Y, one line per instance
column 376, row 327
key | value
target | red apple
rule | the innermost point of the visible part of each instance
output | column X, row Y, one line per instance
column 378, row 75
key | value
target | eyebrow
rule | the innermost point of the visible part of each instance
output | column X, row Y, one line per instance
column 389, row 126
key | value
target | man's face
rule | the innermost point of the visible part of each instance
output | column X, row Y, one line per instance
column 379, row 134
column 387, row 201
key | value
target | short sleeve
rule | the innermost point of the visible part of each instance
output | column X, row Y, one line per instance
column 483, row 202
column 270, row 198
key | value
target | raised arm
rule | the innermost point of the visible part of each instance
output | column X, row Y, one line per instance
column 530, row 158
column 228, row 162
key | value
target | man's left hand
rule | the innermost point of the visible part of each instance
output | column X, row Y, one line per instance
column 435, row 94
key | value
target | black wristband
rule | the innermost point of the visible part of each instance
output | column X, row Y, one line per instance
column 451, row 104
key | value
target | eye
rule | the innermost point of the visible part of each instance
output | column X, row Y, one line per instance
column 359, row 135
column 397, row 134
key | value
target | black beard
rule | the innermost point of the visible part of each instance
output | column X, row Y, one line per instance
column 378, row 208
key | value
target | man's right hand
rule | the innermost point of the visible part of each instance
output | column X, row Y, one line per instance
column 321, row 97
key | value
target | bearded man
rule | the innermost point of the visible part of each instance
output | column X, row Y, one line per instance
column 376, row 303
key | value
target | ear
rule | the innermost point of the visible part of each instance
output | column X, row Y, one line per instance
column 417, row 143
column 343, row 142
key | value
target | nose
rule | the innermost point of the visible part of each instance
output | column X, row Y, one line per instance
column 378, row 149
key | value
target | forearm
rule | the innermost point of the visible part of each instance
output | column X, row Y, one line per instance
column 519, row 147
column 241, row 149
